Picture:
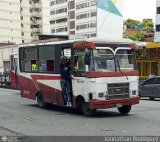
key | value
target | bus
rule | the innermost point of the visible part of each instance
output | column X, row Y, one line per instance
column 14, row 71
column 106, row 76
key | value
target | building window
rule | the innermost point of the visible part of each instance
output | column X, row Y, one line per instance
column 93, row 3
column 58, row 11
column 92, row 14
column 82, row 5
column 158, row 10
column 62, row 20
column 60, row 1
column 62, row 10
column 157, row 28
column 52, row 12
column 53, row 31
column 82, row 16
column 52, row 22
column 93, row 25
column 57, row 2
column 52, row 3
column 61, row 30
column 83, row 26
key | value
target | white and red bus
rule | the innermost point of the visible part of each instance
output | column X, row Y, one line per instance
column 106, row 76
column 14, row 71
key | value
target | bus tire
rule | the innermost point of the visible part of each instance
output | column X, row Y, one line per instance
column 86, row 110
column 124, row 109
column 41, row 103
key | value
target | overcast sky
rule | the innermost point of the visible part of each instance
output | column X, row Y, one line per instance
column 139, row 9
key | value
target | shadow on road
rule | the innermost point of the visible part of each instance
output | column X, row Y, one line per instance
column 59, row 110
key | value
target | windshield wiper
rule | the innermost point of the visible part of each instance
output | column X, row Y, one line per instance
column 120, row 68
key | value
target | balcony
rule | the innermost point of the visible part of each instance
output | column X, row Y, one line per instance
column 35, row 14
column 36, row 30
column 35, row 22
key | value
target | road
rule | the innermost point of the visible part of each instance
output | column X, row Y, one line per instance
column 21, row 117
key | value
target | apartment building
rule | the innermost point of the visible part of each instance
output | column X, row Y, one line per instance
column 10, row 22
column 83, row 17
column 35, row 18
column 22, row 20
column 157, row 22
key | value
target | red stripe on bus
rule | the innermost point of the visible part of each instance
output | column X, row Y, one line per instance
column 45, row 77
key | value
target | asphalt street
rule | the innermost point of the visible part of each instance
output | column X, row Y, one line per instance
column 21, row 117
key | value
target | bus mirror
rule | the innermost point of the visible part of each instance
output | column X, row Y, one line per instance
column 87, row 58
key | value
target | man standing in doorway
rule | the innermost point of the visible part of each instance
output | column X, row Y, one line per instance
column 65, row 79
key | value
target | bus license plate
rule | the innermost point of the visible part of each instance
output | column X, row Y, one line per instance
column 118, row 105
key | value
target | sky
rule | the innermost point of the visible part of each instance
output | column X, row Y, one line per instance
column 139, row 9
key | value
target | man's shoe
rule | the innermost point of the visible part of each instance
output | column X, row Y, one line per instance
column 67, row 104
column 70, row 105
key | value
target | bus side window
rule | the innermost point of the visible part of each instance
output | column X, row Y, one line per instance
column 50, row 65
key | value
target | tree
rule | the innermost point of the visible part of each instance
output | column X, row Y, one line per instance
column 131, row 24
column 148, row 24
column 138, row 37
column 145, row 26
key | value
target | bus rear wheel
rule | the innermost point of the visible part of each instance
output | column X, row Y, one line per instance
column 86, row 110
column 40, row 100
column 124, row 109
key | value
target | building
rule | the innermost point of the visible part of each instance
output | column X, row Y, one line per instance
column 10, row 22
column 22, row 20
column 88, row 18
column 157, row 22
column 34, row 19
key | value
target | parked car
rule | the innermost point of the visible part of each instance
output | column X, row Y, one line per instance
column 150, row 88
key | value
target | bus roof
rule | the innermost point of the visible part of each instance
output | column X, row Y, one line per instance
column 95, row 40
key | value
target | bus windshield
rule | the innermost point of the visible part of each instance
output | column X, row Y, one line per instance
column 125, row 60
column 102, row 60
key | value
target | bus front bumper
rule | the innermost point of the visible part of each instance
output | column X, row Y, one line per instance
column 101, row 104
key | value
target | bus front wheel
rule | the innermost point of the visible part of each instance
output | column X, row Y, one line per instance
column 124, row 109
column 86, row 110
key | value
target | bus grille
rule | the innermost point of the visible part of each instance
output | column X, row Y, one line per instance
column 118, row 90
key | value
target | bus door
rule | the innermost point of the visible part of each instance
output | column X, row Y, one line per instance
column 78, row 67
column 13, row 72
column 66, row 53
